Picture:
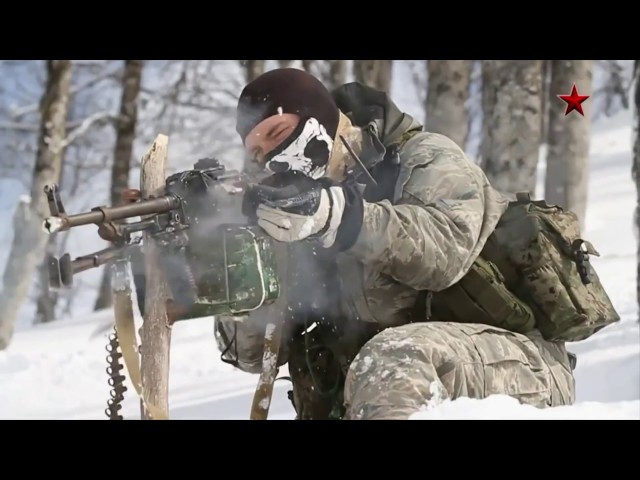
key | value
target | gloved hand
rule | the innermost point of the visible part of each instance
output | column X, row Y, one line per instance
column 304, row 209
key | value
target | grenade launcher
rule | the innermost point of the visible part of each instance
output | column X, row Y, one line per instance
column 212, row 266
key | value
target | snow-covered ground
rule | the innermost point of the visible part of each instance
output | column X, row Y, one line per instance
column 58, row 370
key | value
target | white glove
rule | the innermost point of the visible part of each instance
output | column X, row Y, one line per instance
column 323, row 224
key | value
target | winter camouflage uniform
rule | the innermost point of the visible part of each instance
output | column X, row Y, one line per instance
column 378, row 352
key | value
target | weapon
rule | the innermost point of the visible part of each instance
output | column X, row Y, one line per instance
column 213, row 264
column 213, row 267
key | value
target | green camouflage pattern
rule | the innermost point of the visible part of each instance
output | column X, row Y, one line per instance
column 482, row 296
column 403, row 368
column 541, row 242
column 236, row 274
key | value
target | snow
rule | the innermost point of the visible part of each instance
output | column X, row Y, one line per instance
column 57, row 371
column 502, row 407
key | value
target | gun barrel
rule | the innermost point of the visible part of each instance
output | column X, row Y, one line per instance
column 99, row 215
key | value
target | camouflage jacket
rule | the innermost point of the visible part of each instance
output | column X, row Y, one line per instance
column 422, row 228
column 422, row 233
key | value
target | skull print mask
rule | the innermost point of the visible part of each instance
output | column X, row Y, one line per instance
column 307, row 152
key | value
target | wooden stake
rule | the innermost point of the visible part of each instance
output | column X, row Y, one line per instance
column 156, row 331
column 276, row 316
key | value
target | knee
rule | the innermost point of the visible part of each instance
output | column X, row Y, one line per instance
column 557, row 359
column 394, row 375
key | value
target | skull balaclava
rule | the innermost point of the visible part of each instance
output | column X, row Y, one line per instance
column 289, row 90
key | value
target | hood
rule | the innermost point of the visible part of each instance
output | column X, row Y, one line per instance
column 366, row 106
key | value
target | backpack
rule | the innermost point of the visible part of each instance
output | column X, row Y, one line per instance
column 534, row 272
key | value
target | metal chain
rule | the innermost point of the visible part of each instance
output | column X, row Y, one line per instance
column 116, row 378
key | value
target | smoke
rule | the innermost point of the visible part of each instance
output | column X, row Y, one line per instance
column 310, row 295
column 222, row 205
column 311, row 291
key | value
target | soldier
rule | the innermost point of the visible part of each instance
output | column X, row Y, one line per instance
column 389, row 226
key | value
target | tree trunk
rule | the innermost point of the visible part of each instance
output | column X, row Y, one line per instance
column 374, row 73
column 636, row 173
column 125, row 137
column 447, row 94
column 544, row 101
column 511, row 98
column 337, row 74
column 567, row 174
column 306, row 65
column 29, row 241
column 253, row 69
column 156, row 332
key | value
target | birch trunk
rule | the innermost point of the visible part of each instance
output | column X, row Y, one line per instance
column 511, row 98
column 447, row 95
column 567, row 176
column 337, row 73
column 374, row 73
column 29, row 240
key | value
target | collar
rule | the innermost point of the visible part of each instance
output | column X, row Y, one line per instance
column 364, row 141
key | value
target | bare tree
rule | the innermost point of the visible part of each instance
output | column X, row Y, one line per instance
column 375, row 73
column 193, row 101
column 446, row 102
column 196, row 105
column 567, row 175
column 125, row 137
column 19, row 131
column 511, row 98
column 29, row 240
column 89, row 124
column 635, row 171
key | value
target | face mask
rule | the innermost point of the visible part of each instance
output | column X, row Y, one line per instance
column 307, row 153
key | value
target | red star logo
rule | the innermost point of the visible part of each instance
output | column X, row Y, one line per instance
column 574, row 101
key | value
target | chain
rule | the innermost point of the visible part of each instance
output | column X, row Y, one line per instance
column 116, row 378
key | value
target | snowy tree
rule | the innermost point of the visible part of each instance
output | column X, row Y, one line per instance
column 511, row 98
column 29, row 241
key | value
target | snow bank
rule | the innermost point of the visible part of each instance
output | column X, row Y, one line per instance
column 502, row 407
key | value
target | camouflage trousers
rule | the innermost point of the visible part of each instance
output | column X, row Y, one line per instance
column 402, row 368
